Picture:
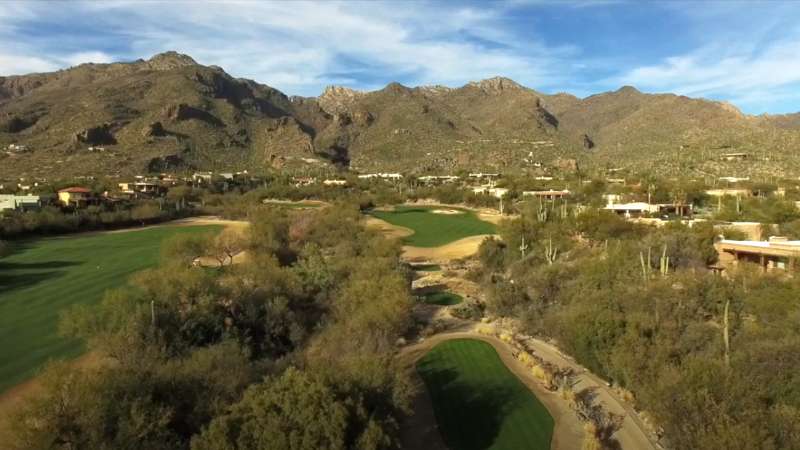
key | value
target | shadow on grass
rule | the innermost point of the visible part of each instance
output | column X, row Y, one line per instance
column 15, row 275
column 469, row 417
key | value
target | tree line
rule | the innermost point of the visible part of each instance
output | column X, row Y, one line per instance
column 292, row 349
column 711, row 359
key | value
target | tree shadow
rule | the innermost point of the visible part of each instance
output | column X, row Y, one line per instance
column 468, row 418
column 14, row 275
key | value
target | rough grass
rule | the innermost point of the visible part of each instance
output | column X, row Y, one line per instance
column 43, row 277
column 442, row 298
column 434, row 230
column 479, row 403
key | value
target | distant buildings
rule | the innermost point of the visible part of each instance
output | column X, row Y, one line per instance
column 141, row 189
column 642, row 209
column 19, row 202
column 334, row 182
column 734, row 156
column 383, row 176
column 729, row 192
column 489, row 190
column 549, row 194
column 437, row 179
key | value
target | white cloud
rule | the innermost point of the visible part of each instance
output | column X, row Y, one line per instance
column 302, row 46
column 16, row 64
column 86, row 57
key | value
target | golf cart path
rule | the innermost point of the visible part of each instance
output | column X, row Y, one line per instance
column 420, row 430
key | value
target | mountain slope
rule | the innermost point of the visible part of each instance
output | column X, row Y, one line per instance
column 170, row 113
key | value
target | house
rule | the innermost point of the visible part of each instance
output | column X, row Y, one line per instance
column 202, row 177
column 384, row 176
column 734, row 179
column 74, row 196
column 734, row 156
column 19, row 202
column 729, row 192
column 437, row 179
column 775, row 253
column 549, row 194
column 639, row 209
column 334, row 182
column 481, row 175
column 489, row 190
column 141, row 189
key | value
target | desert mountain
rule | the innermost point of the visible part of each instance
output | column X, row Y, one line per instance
column 171, row 113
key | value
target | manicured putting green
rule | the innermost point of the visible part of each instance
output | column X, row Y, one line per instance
column 433, row 229
column 479, row 403
column 442, row 298
column 43, row 277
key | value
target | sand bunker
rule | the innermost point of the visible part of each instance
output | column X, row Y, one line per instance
column 447, row 211
column 461, row 248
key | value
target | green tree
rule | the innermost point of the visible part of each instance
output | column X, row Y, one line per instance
column 295, row 411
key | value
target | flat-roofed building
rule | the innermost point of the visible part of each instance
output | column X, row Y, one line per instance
column 775, row 253
column 19, row 202
column 549, row 194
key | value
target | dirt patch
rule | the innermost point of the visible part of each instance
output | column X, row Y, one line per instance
column 388, row 230
column 461, row 248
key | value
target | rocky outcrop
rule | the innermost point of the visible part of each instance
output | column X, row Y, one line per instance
column 155, row 129
column 337, row 99
column 167, row 163
column 181, row 112
column 99, row 135
column 495, row 85
column 16, row 124
column 588, row 143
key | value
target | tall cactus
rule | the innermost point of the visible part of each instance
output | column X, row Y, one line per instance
column 550, row 252
column 664, row 262
column 523, row 247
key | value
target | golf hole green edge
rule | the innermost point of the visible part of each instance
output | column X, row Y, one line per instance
column 479, row 403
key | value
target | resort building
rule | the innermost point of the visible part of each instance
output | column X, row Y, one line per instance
column 74, row 196
column 489, row 190
column 641, row 209
column 549, row 194
column 775, row 253
column 141, row 189
column 19, row 202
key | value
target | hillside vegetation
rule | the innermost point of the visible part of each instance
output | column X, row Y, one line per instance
column 169, row 113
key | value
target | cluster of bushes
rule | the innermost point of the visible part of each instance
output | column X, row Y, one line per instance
column 52, row 220
column 712, row 359
column 292, row 349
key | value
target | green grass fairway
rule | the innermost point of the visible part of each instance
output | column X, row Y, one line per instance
column 442, row 298
column 479, row 403
column 43, row 277
column 434, row 230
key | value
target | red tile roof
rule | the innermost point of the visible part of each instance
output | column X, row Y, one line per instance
column 76, row 190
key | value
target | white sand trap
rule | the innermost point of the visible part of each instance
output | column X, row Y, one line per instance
column 447, row 211
column 461, row 248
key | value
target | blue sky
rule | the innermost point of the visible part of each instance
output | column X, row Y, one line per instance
column 747, row 53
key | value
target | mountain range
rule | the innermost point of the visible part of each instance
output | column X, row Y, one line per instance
column 169, row 113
